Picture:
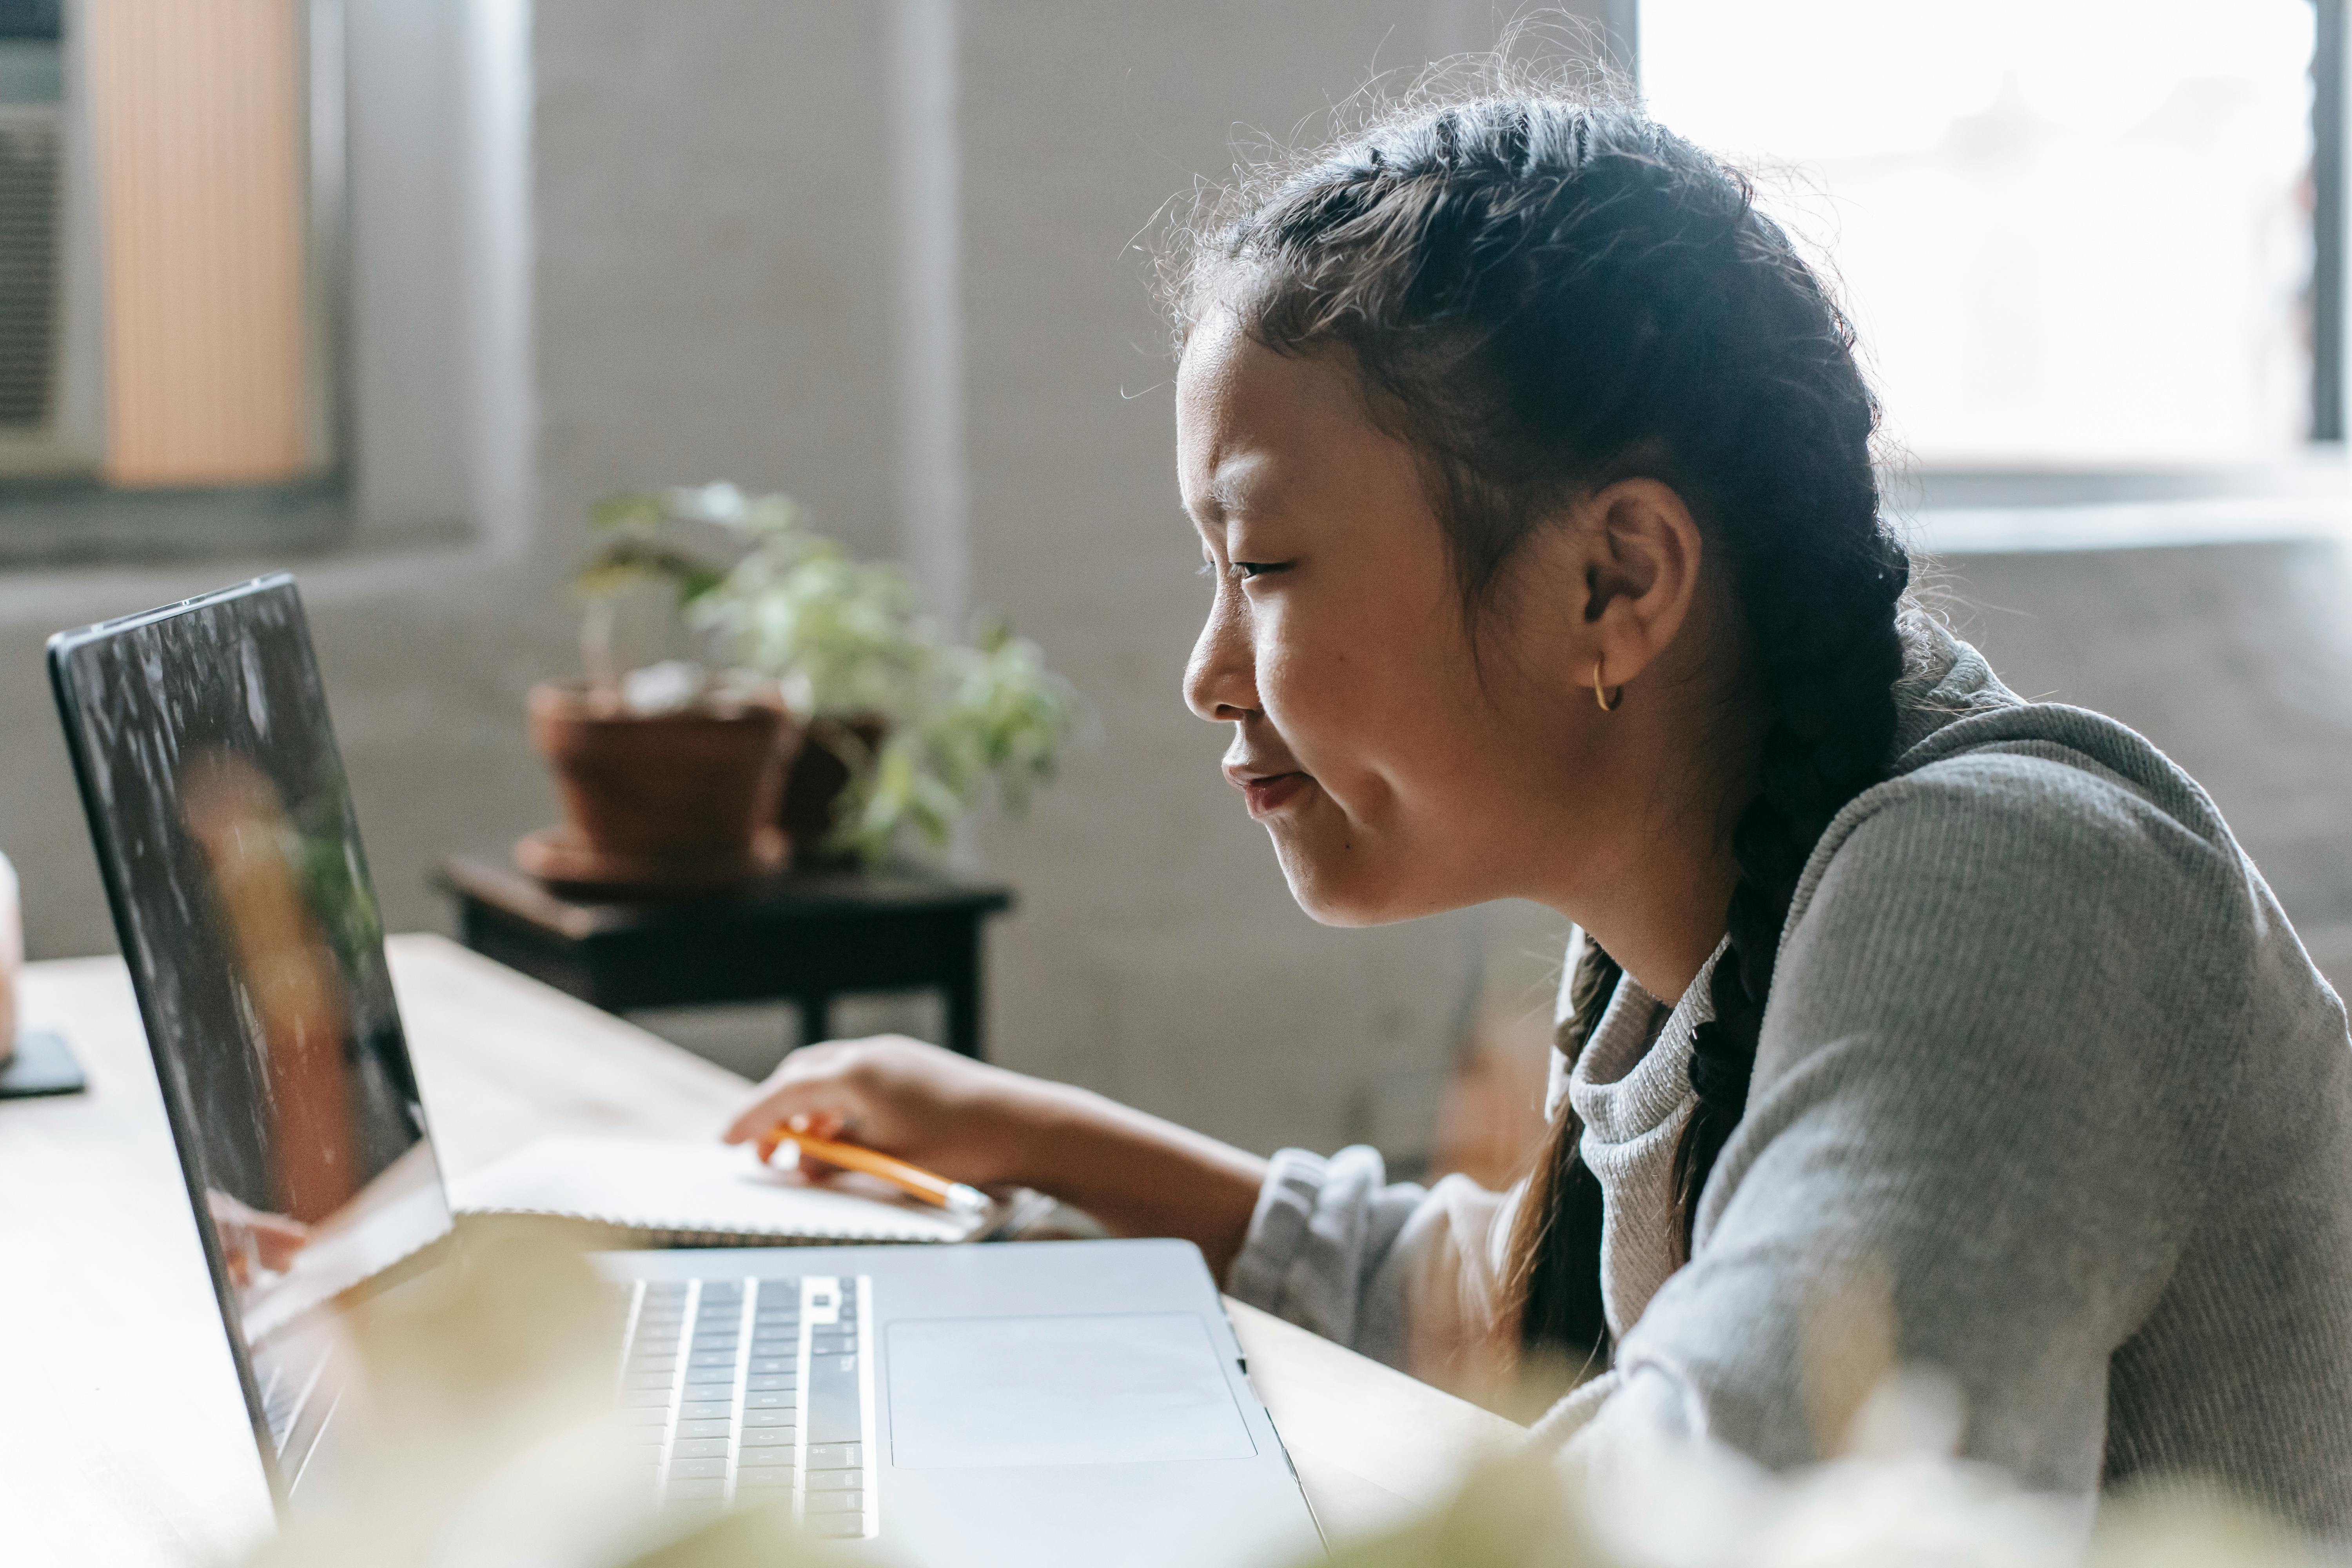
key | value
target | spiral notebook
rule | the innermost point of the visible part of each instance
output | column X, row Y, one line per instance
column 672, row 1193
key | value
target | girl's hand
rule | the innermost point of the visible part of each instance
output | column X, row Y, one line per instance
column 251, row 1241
column 981, row 1125
column 965, row 1119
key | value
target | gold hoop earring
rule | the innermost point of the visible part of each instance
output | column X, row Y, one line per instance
column 1608, row 703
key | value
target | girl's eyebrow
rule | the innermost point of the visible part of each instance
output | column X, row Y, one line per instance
column 1232, row 485
column 1248, row 481
column 1229, row 492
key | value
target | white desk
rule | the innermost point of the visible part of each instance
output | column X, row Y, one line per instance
column 123, row 1439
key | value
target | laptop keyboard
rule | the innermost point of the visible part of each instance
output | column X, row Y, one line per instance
column 754, row 1391
column 288, row 1383
column 299, row 1378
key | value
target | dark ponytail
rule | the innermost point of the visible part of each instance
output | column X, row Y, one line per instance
column 1544, row 297
column 1829, row 655
column 1556, row 1236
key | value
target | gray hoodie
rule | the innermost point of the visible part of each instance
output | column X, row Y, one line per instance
column 2048, row 1098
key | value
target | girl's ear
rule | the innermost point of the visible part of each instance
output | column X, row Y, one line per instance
column 1641, row 557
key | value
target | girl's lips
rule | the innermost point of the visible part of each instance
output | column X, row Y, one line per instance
column 1267, row 796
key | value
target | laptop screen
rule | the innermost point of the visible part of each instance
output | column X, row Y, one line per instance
column 225, row 831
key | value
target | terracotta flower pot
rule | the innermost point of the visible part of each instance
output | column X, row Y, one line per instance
column 678, row 801
column 819, row 774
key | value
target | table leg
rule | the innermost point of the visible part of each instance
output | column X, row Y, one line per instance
column 817, row 1016
column 960, row 985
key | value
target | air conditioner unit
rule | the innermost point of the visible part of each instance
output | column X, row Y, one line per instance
column 31, row 170
column 50, row 419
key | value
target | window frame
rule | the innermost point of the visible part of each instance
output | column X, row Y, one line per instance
column 55, row 520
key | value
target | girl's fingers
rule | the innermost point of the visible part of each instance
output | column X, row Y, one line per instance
column 809, row 1080
column 277, row 1238
column 825, row 1125
column 821, row 1125
column 817, row 1125
column 768, row 1124
column 779, row 1104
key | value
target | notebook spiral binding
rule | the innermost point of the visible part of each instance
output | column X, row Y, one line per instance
column 1021, row 1210
column 660, row 1235
column 669, row 1239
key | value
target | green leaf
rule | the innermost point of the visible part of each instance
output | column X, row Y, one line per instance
column 627, row 508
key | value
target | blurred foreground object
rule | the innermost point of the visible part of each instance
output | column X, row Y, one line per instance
column 494, row 1442
column 1896, row 1499
column 491, row 1436
column 1893, row 1493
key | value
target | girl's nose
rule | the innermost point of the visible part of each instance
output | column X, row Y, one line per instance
column 1221, row 680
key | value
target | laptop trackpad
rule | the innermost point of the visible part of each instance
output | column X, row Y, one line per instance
column 1109, row 1389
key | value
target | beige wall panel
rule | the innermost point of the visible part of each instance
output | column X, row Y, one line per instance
column 197, row 107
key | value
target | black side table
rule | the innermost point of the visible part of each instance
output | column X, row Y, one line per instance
column 805, row 937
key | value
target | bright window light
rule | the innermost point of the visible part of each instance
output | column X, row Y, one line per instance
column 2072, row 233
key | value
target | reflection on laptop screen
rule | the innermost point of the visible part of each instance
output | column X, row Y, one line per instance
column 225, row 833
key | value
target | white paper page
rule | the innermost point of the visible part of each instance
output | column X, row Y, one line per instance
column 651, row 1184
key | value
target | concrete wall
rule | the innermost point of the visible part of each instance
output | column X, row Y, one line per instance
column 715, row 255
column 720, row 284
column 2236, row 659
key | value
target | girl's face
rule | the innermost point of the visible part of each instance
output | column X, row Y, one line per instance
column 1397, row 774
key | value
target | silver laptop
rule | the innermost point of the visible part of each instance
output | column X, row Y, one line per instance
column 1063, row 1402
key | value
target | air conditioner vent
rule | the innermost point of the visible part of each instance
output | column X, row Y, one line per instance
column 28, row 268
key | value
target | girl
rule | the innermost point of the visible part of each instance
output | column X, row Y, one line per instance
column 1532, row 467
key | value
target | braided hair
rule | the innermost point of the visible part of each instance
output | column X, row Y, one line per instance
column 1545, row 296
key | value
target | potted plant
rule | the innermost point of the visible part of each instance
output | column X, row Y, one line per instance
column 906, row 733
column 843, row 641
column 669, row 773
column 996, row 717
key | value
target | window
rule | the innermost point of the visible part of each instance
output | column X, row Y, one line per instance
column 170, row 186
column 2073, row 233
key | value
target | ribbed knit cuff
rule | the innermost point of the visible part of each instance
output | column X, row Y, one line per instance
column 1279, row 1228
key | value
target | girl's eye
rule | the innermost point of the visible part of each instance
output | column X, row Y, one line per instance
column 1246, row 570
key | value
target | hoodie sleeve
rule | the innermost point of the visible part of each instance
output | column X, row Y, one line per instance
column 1409, row 1276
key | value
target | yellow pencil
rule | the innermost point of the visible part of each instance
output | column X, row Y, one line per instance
column 932, row 1188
